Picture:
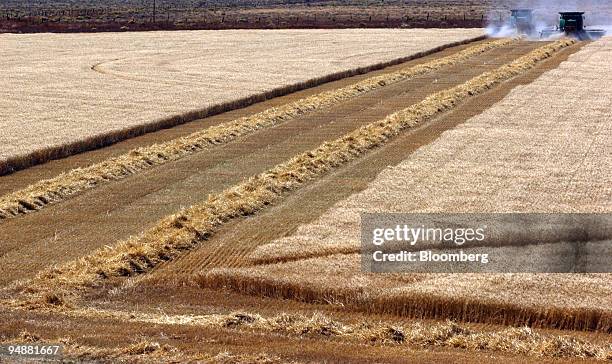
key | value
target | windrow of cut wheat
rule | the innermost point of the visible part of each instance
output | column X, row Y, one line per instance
column 520, row 341
column 177, row 233
column 339, row 279
column 42, row 193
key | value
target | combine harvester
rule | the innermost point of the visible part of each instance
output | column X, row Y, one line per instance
column 571, row 23
column 521, row 20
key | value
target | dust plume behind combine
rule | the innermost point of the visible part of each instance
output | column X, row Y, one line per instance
column 598, row 14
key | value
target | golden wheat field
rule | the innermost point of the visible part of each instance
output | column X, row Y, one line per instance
column 525, row 154
column 197, row 196
column 73, row 91
column 185, row 229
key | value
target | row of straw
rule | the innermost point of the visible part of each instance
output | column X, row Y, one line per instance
column 387, row 297
column 514, row 340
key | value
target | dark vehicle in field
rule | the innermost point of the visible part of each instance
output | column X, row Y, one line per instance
column 522, row 21
column 571, row 23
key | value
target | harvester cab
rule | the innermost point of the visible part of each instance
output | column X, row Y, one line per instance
column 522, row 21
column 571, row 23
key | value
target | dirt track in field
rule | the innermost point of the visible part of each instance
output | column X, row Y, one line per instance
column 116, row 211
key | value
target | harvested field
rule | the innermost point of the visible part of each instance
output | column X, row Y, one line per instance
column 125, row 207
column 245, row 342
column 562, row 301
column 79, row 92
column 125, row 272
column 542, row 156
column 186, row 229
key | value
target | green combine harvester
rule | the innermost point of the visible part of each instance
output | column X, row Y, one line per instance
column 522, row 21
column 571, row 23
